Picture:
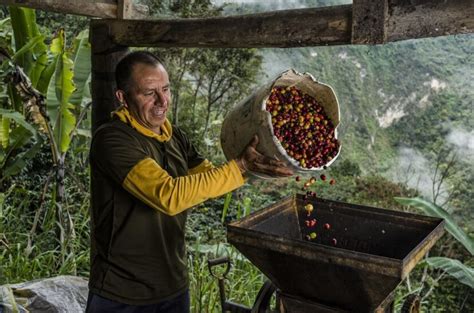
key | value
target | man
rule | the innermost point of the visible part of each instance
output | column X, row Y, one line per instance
column 145, row 174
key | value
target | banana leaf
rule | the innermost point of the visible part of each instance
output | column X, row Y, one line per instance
column 434, row 210
column 27, row 47
column 45, row 78
column 33, row 61
column 15, row 165
column 59, row 92
column 4, row 131
column 461, row 272
column 82, row 68
column 17, row 118
column 19, row 137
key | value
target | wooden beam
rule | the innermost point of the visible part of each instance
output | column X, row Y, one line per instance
column 369, row 20
column 92, row 8
column 289, row 28
column 429, row 18
column 105, row 56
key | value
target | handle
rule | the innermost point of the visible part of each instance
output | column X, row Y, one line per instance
column 218, row 261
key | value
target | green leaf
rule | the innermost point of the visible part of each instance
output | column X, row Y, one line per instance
column 23, row 22
column 225, row 209
column 16, row 165
column 82, row 67
column 19, row 137
column 84, row 132
column 454, row 268
column 432, row 209
column 59, row 91
column 246, row 204
column 45, row 78
column 27, row 47
column 4, row 22
column 4, row 131
column 18, row 118
column 31, row 51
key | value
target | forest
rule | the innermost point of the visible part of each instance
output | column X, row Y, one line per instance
column 406, row 133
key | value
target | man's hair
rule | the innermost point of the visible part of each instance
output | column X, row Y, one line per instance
column 123, row 70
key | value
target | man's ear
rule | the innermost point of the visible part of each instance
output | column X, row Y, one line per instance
column 120, row 94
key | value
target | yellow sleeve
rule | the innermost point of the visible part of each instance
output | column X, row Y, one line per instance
column 204, row 166
column 154, row 186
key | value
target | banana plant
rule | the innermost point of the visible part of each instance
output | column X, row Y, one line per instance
column 456, row 269
column 49, row 90
column 18, row 138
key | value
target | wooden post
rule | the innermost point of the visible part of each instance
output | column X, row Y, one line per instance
column 369, row 20
column 124, row 9
column 105, row 56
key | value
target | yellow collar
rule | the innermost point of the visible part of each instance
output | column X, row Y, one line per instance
column 124, row 115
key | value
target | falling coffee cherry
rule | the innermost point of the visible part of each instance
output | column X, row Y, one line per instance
column 332, row 181
column 334, row 241
column 323, row 177
column 327, row 226
column 313, row 235
column 312, row 180
column 309, row 208
column 297, row 178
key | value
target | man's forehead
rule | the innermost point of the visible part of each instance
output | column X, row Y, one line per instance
column 149, row 73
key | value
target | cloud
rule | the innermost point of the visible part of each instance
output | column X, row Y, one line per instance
column 463, row 142
column 414, row 170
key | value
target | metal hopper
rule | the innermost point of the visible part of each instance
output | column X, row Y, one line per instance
column 375, row 250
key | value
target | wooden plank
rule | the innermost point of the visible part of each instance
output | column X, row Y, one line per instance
column 289, row 28
column 429, row 18
column 104, row 8
column 92, row 8
column 105, row 56
column 369, row 20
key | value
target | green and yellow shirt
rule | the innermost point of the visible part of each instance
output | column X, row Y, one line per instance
column 142, row 184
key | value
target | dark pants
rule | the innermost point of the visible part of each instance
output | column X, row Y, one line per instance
column 98, row 304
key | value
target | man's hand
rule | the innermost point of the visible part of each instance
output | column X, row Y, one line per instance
column 253, row 161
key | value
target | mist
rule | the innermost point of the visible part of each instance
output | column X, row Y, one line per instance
column 462, row 141
column 416, row 171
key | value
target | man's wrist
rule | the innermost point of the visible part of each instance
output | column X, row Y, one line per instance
column 241, row 165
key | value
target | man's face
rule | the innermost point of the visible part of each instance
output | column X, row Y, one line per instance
column 149, row 96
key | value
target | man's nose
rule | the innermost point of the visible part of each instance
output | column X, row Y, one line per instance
column 161, row 99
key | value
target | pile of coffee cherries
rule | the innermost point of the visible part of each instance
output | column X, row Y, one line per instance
column 311, row 221
column 302, row 127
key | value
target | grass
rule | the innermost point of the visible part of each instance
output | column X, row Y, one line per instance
column 28, row 253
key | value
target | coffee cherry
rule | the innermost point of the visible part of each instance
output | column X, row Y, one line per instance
column 334, row 241
column 313, row 235
column 332, row 181
column 327, row 226
column 302, row 127
column 323, row 177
